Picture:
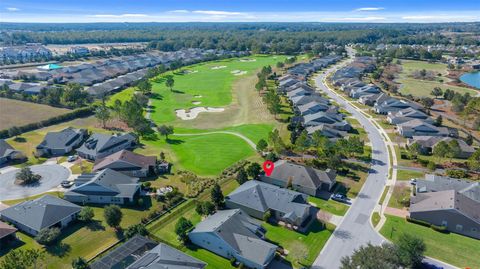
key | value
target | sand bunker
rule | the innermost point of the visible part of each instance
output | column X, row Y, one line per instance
column 218, row 67
column 197, row 96
column 193, row 113
column 238, row 72
column 186, row 72
column 248, row 60
column 196, row 102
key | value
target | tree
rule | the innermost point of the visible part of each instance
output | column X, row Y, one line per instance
column 80, row 263
column 102, row 113
column 454, row 149
column 441, row 149
column 371, row 257
column 437, row 91
column 47, row 236
column 242, row 176
column 165, row 130
column 409, row 250
column 135, row 229
column 427, row 102
column 162, row 156
column 26, row 176
column 280, row 65
column 169, row 82
column 113, row 215
column 439, row 120
column 21, row 259
column 473, row 161
column 469, row 140
column 253, row 170
column 205, row 208
column 414, row 150
column 262, row 145
column 216, row 196
column 303, row 142
column 182, row 227
column 144, row 86
column 14, row 131
column 86, row 214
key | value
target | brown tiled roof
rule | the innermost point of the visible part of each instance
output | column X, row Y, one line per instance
column 126, row 156
column 6, row 229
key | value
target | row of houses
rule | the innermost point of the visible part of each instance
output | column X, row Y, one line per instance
column 312, row 110
column 24, row 53
column 282, row 197
column 448, row 202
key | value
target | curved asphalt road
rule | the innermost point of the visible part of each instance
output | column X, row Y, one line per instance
column 52, row 176
column 355, row 229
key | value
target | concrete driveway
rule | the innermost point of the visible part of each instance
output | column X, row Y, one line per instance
column 52, row 176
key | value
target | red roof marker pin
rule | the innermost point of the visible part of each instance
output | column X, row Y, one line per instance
column 268, row 167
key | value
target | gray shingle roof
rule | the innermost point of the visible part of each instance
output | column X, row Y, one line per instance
column 262, row 197
column 166, row 257
column 103, row 142
column 61, row 139
column 107, row 183
column 238, row 230
column 6, row 149
column 41, row 213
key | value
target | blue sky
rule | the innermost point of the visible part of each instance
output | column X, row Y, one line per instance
column 239, row 10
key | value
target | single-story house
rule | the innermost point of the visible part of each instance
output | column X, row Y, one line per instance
column 312, row 108
column 164, row 256
column 7, row 233
column 305, row 99
column 407, row 114
column 327, row 131
column 257, row 198
column 104, row 187
column 365, row 90
column 128, row 163
column 8, row 153
column 61, row 143
column 126, row 254
column 44, row 212
column 321, row 118
column 233, row 234
column 449, row 202
column 428, row 143
column 418, row 127
column 99, row 146
column 393, row 105
column 301, row 178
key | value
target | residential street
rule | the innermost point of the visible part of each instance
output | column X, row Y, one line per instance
column 356, row 230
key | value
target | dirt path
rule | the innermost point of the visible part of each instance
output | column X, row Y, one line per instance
column 250, row 142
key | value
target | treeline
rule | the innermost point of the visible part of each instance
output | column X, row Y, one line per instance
column 262, row 37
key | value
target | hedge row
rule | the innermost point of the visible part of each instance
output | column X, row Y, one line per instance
column 77, row 113
column 437, row 228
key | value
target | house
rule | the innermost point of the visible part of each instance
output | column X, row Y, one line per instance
column 301, row 178
column 128, row 163
column 7, row 233
column 448, row 202
column 8, row 153
column 365, row 90
column 104, row 187
column 321, row 117
column 126, row 254
column 99, row 146
column 418, row 127
column 233, row 234
column 257, row 198
column 393, row 105
column 428, row 143
column 44, row 212
column 61, row 143
column 165, row 256
column 305, row 99
column 312, row 108
column 327, row 131
column 407, row 114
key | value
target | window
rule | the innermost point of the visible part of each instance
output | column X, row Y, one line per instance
column 459, row 227
column 444, row 223
column 474, row 230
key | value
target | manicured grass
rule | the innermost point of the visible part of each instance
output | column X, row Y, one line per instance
column 418, row 87
column 302, row 248
column 331, row 206
column 213, row 260
column 204, row 154
column 123, row 96
column 375, row 219
column 400, row 196
column 16, row 201
column 452, row 248
column 213, row 85
column 351, row 183
column 82, row 166
column 18, row 113
column 409, row 174
column 384, row 194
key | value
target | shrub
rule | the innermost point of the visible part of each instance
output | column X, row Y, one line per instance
column 86, row 214
column 431, row 166
column 456, row 173
column 135, row 229
column 441, row 228
column 233, row 261
column 113, row 215
column 48, row 236
column 419, row 222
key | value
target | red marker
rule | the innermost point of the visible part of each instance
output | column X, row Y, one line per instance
column 268, row 167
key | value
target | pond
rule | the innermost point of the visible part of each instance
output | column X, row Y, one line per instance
column 472, row 79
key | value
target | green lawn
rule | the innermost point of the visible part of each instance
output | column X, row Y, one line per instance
column 384, row 194
column 375, row 219
column 400, row 197
column 301, row 247
column 409, row 174
column 81, row 167
column 418, row 87
column 331, row 206
column 452, row 248
column 123, row 96
column 213, row 85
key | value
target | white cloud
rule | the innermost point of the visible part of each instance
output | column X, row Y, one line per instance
column 369, row 9
column 219, row 13
column 119, row 16
column 179, row 11
column 12, row 9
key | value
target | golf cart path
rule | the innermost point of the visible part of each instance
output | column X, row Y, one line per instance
column 246, row 139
